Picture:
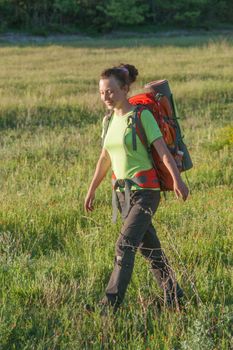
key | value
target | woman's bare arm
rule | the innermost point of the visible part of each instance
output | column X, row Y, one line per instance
column 180, row 189
column 101, row 170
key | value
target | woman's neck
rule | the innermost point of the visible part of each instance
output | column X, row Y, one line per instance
column 123, row 109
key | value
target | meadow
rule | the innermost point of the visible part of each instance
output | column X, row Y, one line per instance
column 54, row 257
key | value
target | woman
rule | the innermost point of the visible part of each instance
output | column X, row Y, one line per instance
column 137, row 204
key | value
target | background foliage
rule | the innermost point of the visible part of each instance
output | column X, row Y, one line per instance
column 104, row 15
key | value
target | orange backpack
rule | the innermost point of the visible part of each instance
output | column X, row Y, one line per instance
column 159, row 101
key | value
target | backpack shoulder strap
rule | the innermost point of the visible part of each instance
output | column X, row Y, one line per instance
column 137, row 127
column 105, row 125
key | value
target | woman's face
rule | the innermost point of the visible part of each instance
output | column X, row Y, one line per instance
column 111, row 93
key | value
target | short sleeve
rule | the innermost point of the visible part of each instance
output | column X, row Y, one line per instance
column 150, row 126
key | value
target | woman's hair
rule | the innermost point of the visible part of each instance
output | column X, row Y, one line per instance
column 126, row 74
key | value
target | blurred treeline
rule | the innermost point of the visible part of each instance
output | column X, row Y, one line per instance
column 105, row 15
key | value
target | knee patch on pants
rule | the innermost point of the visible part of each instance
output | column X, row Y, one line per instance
column 125, row 243
column 125, row 253
column 126, row 259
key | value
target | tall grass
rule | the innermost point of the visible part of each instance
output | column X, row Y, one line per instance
column 54, row 257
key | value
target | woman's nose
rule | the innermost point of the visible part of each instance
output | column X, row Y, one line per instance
column 105, row 96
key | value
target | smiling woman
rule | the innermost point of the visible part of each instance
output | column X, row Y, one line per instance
column 114, row 85
column 137, row 202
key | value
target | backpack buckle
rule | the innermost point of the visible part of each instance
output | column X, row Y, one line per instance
column 158, row 96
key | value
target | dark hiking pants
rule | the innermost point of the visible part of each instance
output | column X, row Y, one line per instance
column 138, row 233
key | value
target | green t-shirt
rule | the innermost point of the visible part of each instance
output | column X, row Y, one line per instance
column 126, row 162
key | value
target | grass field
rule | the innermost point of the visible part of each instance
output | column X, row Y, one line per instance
column 54, row 257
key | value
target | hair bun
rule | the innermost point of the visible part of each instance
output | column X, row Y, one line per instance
column 132, row 70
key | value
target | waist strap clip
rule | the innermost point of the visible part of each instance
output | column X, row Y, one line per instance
column 127, row 184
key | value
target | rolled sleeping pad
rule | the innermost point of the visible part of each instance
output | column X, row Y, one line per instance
column 162, row 87
column 159, row 86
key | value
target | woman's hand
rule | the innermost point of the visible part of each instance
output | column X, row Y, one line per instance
column 180, row 189
column 88, row 204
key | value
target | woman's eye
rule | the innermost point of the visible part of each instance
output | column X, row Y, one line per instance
column 107, row 92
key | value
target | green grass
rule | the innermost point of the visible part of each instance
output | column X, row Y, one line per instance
column 54, row 257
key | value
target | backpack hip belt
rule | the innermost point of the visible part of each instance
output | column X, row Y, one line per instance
column 146, row 179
